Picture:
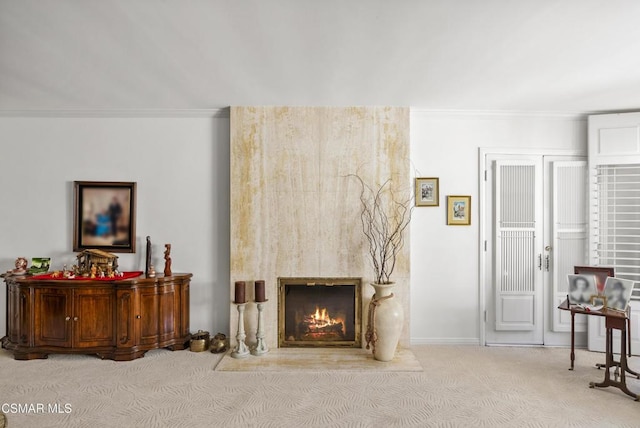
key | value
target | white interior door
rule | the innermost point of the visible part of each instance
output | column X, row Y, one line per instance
column 536, row 221
column 515, row 301
column 566, row 240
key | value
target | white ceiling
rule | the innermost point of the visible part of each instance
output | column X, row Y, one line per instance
column 525, row 55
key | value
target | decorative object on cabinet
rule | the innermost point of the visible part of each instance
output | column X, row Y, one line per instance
column 385, row 215
column 601, row 273
column 167, row 259
column 427, row 192
column 59, row 276
column 458, row 210
column 104, row 216
column 102, row 260
column 147, row 264
column 21, row 266
column 118, row 320
column 39, row 265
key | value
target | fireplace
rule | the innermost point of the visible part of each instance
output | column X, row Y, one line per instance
column 320, row 312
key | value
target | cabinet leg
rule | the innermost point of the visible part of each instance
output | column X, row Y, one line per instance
column 30, row 356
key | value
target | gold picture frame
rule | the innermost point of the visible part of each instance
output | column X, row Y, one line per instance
column 427, row 191
column 597, row 300
column 458, row 210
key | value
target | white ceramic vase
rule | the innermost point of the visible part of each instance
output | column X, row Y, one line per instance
column 388, row 322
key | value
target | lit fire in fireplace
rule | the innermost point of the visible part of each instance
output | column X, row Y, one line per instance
column 320, row 323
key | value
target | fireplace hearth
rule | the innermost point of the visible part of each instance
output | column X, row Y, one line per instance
column 319, row 312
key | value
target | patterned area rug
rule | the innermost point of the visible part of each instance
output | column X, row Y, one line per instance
column 461, row 386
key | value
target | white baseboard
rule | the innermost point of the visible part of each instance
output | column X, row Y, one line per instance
column 473, row 341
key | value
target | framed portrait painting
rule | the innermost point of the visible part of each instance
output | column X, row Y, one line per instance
column 601, row 274
column 104, row 216
column 581, row 288
column 618, row 293
column 458, row 210
column 427, row 192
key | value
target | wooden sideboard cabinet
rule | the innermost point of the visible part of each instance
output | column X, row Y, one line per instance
column 118, row 320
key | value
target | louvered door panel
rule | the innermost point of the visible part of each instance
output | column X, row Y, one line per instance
column 570, row 235
column 518, row 260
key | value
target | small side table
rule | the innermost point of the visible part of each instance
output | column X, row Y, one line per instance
column 614, row 320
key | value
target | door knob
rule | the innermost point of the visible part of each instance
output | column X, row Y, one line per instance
column 67, row 318
column 75, row 318
column 138, row 316
column 548, row 248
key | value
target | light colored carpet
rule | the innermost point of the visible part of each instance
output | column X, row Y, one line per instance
column 460, row 387
column 321, row 359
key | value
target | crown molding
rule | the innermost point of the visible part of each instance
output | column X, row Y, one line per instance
column 217, row 113
column 496, row 114
column 224, row 113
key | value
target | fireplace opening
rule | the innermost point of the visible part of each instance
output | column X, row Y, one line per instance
column 322, row 312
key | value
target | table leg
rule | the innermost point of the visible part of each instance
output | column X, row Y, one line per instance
column 573, row 325
column 629, row 331
column 623, row 367
column 608, row 359
column 622, row 364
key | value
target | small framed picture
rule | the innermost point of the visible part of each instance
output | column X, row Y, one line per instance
column 458, row 210
column 599, row 301
column 581, row 288
column 427, row 192
column 104, row 216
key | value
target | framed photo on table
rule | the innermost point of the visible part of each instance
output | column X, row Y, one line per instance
column 618, row 293
column 104, row 216
column 581, row 289
column 458, row 210
column 427, row 192
column 601, row 274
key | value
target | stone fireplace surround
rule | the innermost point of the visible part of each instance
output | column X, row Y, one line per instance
column 294, row 211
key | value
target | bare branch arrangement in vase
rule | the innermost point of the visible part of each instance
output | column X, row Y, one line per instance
column 385, row 216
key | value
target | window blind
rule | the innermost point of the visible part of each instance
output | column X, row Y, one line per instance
column 616, row 218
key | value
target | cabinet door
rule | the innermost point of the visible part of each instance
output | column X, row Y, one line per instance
column 94, row 318
column 13, row 306
column 147, row 317
column 184, row 309
column 169, row 310
column 52, row 317
column 19, row 316
column 126, row 316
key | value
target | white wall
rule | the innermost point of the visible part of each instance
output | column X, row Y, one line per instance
column 181, row 165
column 445, row 259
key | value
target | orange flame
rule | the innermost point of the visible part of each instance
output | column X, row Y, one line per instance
column 321, row 318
